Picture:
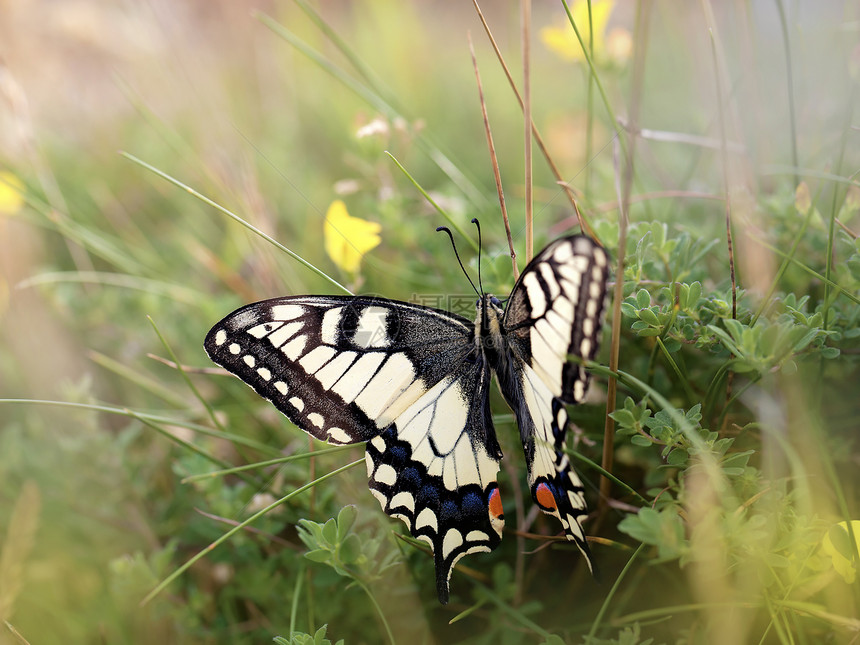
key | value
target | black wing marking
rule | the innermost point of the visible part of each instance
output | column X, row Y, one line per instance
column 340, row 368
column 436, row 467
column 555, row 311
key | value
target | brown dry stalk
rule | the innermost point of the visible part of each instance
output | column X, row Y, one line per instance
column 494, row 160
column 526, row 11
column 535, row 133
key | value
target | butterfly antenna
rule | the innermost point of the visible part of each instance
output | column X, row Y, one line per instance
column 480, row 245
column 448, row 231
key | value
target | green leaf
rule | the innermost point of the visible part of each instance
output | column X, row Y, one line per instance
column 830, row 352
column 737, row 459
column 319, row 636
column 649, row 317
column 314, row 529
column 672, row 345
column 694, row 295
column 329, row 531
column 643, row 299
column 735, row 328
column 350, row 549
column 639, row 440
column 623, row 418
column 642, row 526
column 663, row 528
column 319, row 555
column 345, row 520
column 677, row 458
column 804, row 340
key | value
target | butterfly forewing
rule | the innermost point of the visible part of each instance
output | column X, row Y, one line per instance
column 340, row 368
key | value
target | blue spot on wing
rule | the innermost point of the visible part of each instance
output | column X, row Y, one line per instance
column 473, row 505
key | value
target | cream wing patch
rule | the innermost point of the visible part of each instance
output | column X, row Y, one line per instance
column 430, row 426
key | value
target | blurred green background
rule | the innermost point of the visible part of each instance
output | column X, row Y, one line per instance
column 274, row 110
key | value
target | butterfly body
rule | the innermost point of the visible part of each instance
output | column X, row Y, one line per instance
column 413, row 382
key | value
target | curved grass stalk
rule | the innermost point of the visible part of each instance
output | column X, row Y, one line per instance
column 588, row 58
column 513, row 613
column 236, row 218
column 441, row 211
column 153, row 419
column 378, row 609
column 120, row 280
column 599, row 617
column 209, row 410
column 619, row 482
column 267, row 463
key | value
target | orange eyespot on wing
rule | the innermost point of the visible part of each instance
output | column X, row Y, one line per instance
column 544, row 497
column 495, row 504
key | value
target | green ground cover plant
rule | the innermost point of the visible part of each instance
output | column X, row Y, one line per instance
column 162, row 164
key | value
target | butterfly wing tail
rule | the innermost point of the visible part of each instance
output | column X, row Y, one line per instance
column 555, row 486
column 453, row 523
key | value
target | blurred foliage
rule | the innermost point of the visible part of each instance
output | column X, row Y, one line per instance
column 733, row 518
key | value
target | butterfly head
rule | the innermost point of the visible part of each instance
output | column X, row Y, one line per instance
column 488, row 301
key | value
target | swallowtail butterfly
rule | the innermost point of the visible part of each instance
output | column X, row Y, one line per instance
column 413, row 382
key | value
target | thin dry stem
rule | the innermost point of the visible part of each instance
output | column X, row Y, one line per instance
column 853, row 235
column 526, row 11
column 493, row 159
column 640, row 39
column 535, row 133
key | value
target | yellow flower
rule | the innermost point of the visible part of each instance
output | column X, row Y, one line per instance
column 11, row 193
column 837, row 544
column 562, row 40
column 348, row 238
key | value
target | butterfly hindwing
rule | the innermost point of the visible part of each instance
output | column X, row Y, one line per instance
column 436, row 467
column 554, row 485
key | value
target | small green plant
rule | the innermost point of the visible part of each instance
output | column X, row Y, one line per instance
column 300, row 638
column 351, row 555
